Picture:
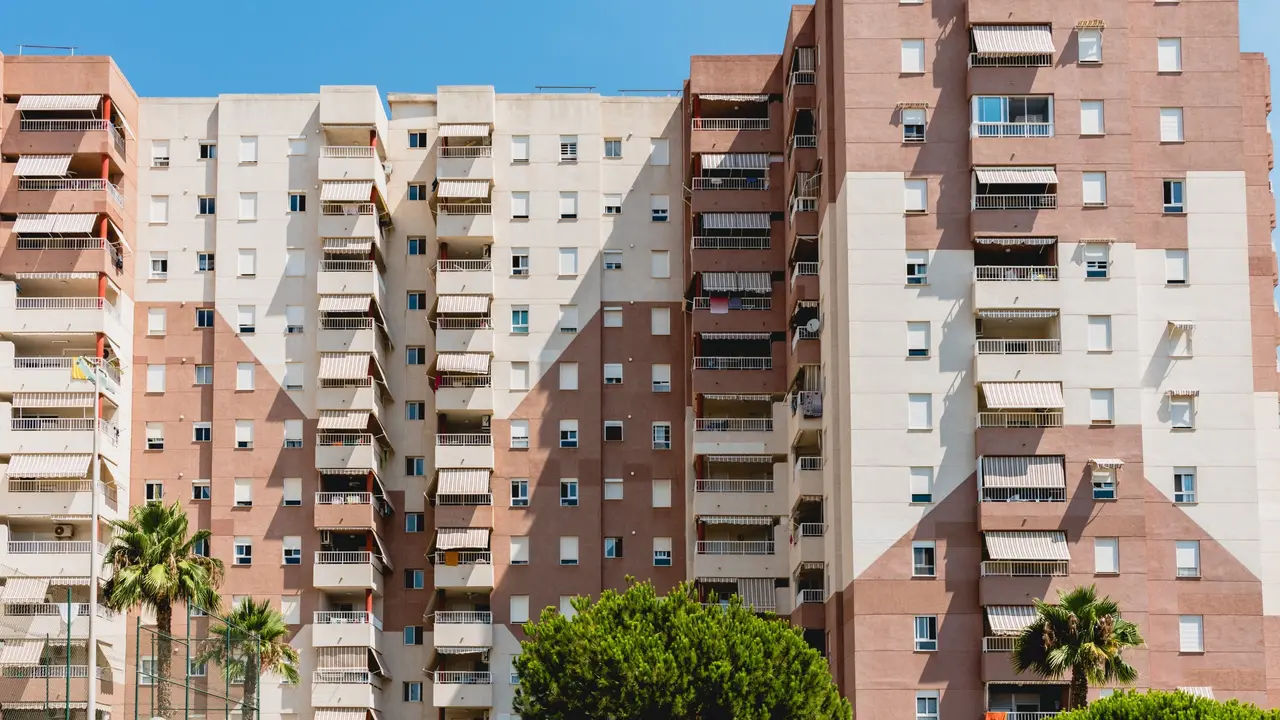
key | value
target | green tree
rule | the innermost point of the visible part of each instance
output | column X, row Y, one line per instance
column 252, row 641
column 1156, row 704
column 1082, row 636
column 153, row 565
column 634, row 655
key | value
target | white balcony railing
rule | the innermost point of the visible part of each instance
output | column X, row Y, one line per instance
column 735, row 547
column 1018, row 419
column 804, row 77
column 730, row 183
column 1029, row 715
column 63, row 303
column 342, row 677
column 463, row 677
column 52, row 547
column 805, row 597
column 344, row 439
column 344, row 498
column 731, row 123
column 716, row 485
column 464, row 381
column 1050, row 346
column 360, row 208
column 733, row 424
column 50, row 424
column 72, row 125
column 59, row 670
column 811, row 529
column 465, row 208
column 714, row 242
column 466, row 499
column 1015, row 202
column 51, row 485
column 463, row 617
column 346, row 266
column 347, row 151
column 1024, row 568
column 742, row 303
column 346, row 617
column 348, row 557
column 809, row 462
column 805, row 268
column 1015, row 273
column 804, row 204
column 346, row 323
column 1011, row 129
column 804, row 141
column 53, row 609
column 464, row 557
column 998, row 643
column 465, row 439
column 466, row 151
column 464, row 323
column 484, row 265
column 63, row 184
column 60, row 243
column 976, row 60
column 1014, row 494
column 732, row 363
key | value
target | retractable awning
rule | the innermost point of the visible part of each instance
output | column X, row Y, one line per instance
column 344, row 366
column 21, row 652
column 460, row 538
column 734, row 98
column 1183, row 393
column 738, row 519
column 24, row 590
column 1010, row 619
column 346, row 191
column 55, row 223
column 1182, row 325
column 1046, row 545
column 463, row 189
column 738, row 397
column 735, row 335
column 361, row 245
column 461, row 650
column 463, row 303
column 1034, row 241
column 757, row 459
column 53, row 400
column 345, row 303
column 751, row 282
column 59, row 102
column 1023, row 396
column 49, row 466
column 464, row 131
column 1005, row 40
column 1198, row 691
column 1016, row 175
column 1023, row 472
column 42, row 166
column 1017, row 314
column 735, row 221
column 463, row 481
column 735, row 161
column 47, row 705
column 343, row 420
column 757, row 593
column 470, row 363
column 340, row 714
column 1106, row 463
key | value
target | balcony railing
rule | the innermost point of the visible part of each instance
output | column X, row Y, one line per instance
column 64, row 303
column 341, row 323
column 465, row 439
column 347, row 151
column 714, row 242
column 1012, row 494
column 733, row 486
column 343, row 439
column 1015, row 202
column 72, row 125
column 1012, row 129
column 463, row 617
column 998, row 643
column 802, row 333
column 1016, row 419
column 60, row 243
column 334, row 208
column 463, row 677
column 730, row 123
column 811, row 529
column 1029, row 715
column 466, row 499
column 805, row 597
column 57, row 670
column 804, row 141
column 742, row 303
column 804, row 77
column 465, row 208
column 730, row 183
column 1015, row 273
column 1051, row 346
column 484, row 265
column 464, row 381
column 343, row 677
column 733, row 424
column 63, row 184
column 16, row 485
column 52, row 547
column 464, row 323
column 346, row 266
column 735, row 547
column 732, row 363
column 348, row 557
column 804, row 268
column 464, row 557
column 59, row 363
column 976, row 60
column 51, row 424
column 1024, row 568
column 49, row 609
column 466, row 151
column 804, row 204
column 809, row 462
column 346, row 617
column 344, row 498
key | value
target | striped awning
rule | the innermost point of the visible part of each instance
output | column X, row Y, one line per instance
column 464, row 131
column 1005, row 40
column 340, row 714
column 752, row 282
column 53, row 705
column 735, row 335
column 1017, row 314
column 760, row 459
column 1010, row 619
column 1023, row 396
column 735, row 221
column 346, row 191
column 463, row 189
column 1043, row 545
column 24, row 590
column 458, row 538
column 1036, row 241
column 344, row 366
column 359, row 245
column 733, row 98
column 1106, row 463
column 1198, row 691
column 1182, row 325
column 913, row 105
column 463, row 303
column 463, row 481
column 345, row 303
column 735, row 161
column 1016, row 175
column 1183, row 393
column 42, row 166
column 738, row 519
column 49, row 466
column 461, row 649
column 53, row 400
column 343, row 420
column 470, row 363
column 21, row 652
column 757, row 593
column 59, row 102
column 1031, row 471
column 55, row 223
column 738, row 397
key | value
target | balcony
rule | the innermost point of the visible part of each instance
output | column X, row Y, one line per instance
column 354, row 688
column 350, row 451
column 1016, row 287
column 760, row 182
column 1011, row 129
column 463, row 628
column 348, row 334
column 1020, row 419
column 464, row 277
column 52, row 496
column 465, row 219
column 740, row 427
column 463, row 569
column 348, row 510
column 465, row 157
column 42, row 372
column 462, row 689
column 61, row 435
column 51, row 558
column 811, row 597
column 806, row 477
column 70, row 185
column 731, row 124
column 347, row 570
column 460, row 334
column 56, row 314
column 465, row 450
column 464, row 392
column 733, row 363
column 38, row 619
column 64, row 252
column 1015, row 188
column 349, row 220
column 754, row 557
column 808, row 544
column 743, row 496
column 42, row 132
column 353, row 162
column 345, row 628
column 350, row 277
column 746, row 302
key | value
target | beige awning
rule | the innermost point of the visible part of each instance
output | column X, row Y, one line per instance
column 461, row 649
column 1023, row 396
column 758, row 593
column 1035, row 241
column 463, row 481
column 1017, row 314
column 738, row 519
column 1032, row 471
column 345, row 303
column 1016, row 175
column 1197, row 690
column 735, row 221
column 463, row 189
column 21, row 652
column 733, row 98
column 1106, row 463
column 463, row 303
column 1043, row 545
column 51, row 704
column 344, row 366
column 340, row 714
column 1183, row 393
column 59, row 102
column 735, row 161
column 735, row 335
column 42, row 166
column 1005, row 40
column 458, row 538
column 760, row 459
column 49, row 466
column 470, row 363
column 53, row 400
column 752, row 282
column 343, row 420
column 1010, row 619
column 738, row 397
column 24, row 590
column 360, row 245
column 464, row 131
column 55, row 223
column 346, row 191
column 1183, row 325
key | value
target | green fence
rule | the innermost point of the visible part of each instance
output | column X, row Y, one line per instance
column 212, row 671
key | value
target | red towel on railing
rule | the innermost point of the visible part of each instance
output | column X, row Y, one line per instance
column 719, row 304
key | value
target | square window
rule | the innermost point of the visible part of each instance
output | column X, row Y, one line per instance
column 613, row 489
column 292, row 491
column 244, row 434
column 926, row 632
column 915, row 198
column 1097, row 260
column 248, row 149
column 204, row 317
column 917, row 267
column 662, row 436
column 297, row 202
column 206, row 206
column 418, row 139
column 415, row 466
column 201, row 490
column 208, row 150
column 612, row 204
column 243, row 492
column 157, row 321
column 415, row 355
column 1184, row 485
column 568, row 318
column 519, row 492
column 412, row 635
column 154, row 491
column 415, row 410
column 1187, row 558
column 243, row 551
column 568, row 148
column 411, row 691
column 519, row 376
column 1171, row 125
column 245, row 376
column 924, row 561
column 568, row 492
column 918, row 339
column 160, row 153
column 414, row 522
column 520, row 263
column 293, row 433
column 612, row 259
column 1104, row 484
column 159, row 209
column 568, row 261
column 927, row 705
column 612, row 317
column 204, row 375
column 292, row 550
column 613, row 373
column 204, row 262
column 1106, row 555
column 248, row 206
column 293, row 376
column 293, row 319
column 520, row 205
column 416, row 300
column 298, row 145
column 159, row 265
column 1174, row 202
column 1182, row 414
column 416, row 245
column 921, row 485
column 613, row 431
column 519, row 434
column 418, row 191
column 612, row 147
column 155, row 436
column 1102, row 406
column 613, row 547
column 519, row 610
column 913, row 122
column 414, row 579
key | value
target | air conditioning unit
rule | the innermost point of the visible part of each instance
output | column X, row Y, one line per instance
column 484, row 421
column 64, row 531
column 386, row 168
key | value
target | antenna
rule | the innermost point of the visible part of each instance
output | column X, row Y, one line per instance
column 71, row 49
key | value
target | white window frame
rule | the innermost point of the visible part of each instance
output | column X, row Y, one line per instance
column 1101, row 107
column 1177, row 267
column 915, row 196
column 1190, row 403
column 661, row 430
column 519, row 434
column 657, row 373
column 1182, row 549
column 919, row 400
column 1166, row 43
column 913, row 57
column 1098, row 336
column 614, row 489
column 1106, row 556
column 929, row 710
column 920, row 569
column 1195, row 624
column 568, row 148
column 1172, row 125
column 242, row 548
column 613, row 373
column 569, row 437
column 1097, row 180
column 568, row 261
column 1102, row 406
column 1184, row 477
column 925, row 632
column 1089, row 38
column 568, row 549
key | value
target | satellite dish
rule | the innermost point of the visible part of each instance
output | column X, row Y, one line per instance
column 814, row 325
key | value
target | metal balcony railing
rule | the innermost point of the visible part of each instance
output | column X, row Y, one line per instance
column 1049, row 346
column 52, row 547
column 811, row 529
column 1015, row 202
column 467, row 499
column 730, row 183
column 463, row 677
column 998, row 643
column 346, row 151
column 345, row 617
column 733, row 424
column 804, row 268
column 59, row 363
column 466, row 151
column 809, row 462
column 731, row 123
column 464, row 557
column 58, row 670
column 72, row 125
column 742, row 303
column 333, row 208
column 804, row 77
column 348, row 557
column 735, row 547
column 63, row 303
column 343, row 439
column 465, row 208
column 63, row 184
column 1024, row 568
column 1011, row 129
column 464, row 323
column 466, row 439
column 811, row 596
column 464, row 381
column 347, row 266
column 342, row 677
column 344, row 498
column 463, row 617
column 60, row 243
column 733, row 486
column 1019, row 419
column 1015, row 273
column 714, row 242
column 732, row 363
column 354, row 323
column 1011, row 494
column 976, row 60
column 804, row 141
column 464, row 265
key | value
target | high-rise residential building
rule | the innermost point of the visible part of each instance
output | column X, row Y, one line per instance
column 950, row 305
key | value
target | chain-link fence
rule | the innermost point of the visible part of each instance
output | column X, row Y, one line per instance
column 205, row 669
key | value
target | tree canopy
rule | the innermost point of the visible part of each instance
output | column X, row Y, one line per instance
column 1156, row 704
column 634, row 654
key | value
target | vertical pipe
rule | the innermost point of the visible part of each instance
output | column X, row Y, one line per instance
column 186, row 685
column 137, row 664
column 92, row 707
column 67, row 666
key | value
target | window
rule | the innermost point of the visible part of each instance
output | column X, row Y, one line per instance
column 919, row 411
column 201, row 546
column 917, row 267
column 613, row 373
column 519, row 376
column 519, row 434
column 912, row 56
column 243, row 551
column 147, row 671
column 204, row 375
column 159, row 265
column 243, row 492
column 208, row 150
column 418, row 192
column 159, row 209
column 915, row 196
column 1174, row 202
column 519, row 550
column 1097, row 260
column 926, row 633
column 659, row 264
column 414, row 522
column 1182, row 412
column 291, row 609
column 913, row 121
column 412, row 634
column 924, row 559
column 662, row 436
column 519, row 148
column 661, row 377
column 200, row 490
column 1184, row 485
column 415, row 355
column 157, row 321
column 294, row 317
column 244, row 376
column 1106, row 555
column 613, row 547
column 1171, row 125
column 411, row 691
column 1092, row 118
column 568, row 318
column 568, row 492
column 1102, row 406
column 1186, row 554
column 519, row 492
column 155, row 436
column 1104, row 484
column 568, row 261
column 612, row 204
column 206, row 205
column 204, row 318
column 248, row 206
column 417, row 245
column 1175, row 267
column 414, row 579
column 917, row 339
column 613, row 489
column 566, row 607
column 160, row 153
column 568, row 206
column 519, row 609
column 1191, row 633
column 612, row 147
column 1094, row 189
column 612, row 317
column 418, row 139
column 662, row 552
column 568, row 550
column 612, row 259
column 1169, row 55
column 568, row 148
column 415, row 410
column 659, row 208
column 661, row 493
column 298, row 145
column 613, row 431
column 1089, row 43
column 415, row 466
column 293, row 376
column 568, row 376
column 204, row 262
column 1099, row 333
column 244, row 434
column 292, row 550
column 248, row 149
column 520, row 262
column 921, row 485
column 293, row 433
column 519, row 207
column 201, row 431
column 659, row 151
column 246, row 262
column 927, row 705
column 154, row 491
column 659, row 321
column 416, row 300
column 1180, row 340
column 297, row 202
column 520, row 319
column 292, row 496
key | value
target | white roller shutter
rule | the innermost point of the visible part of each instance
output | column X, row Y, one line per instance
column 1171, row 125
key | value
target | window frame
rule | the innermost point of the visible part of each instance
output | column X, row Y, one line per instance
column 928, row 642
column 918, row 568
column 1182, row 495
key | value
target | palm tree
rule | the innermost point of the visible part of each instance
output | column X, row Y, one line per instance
column 153, row 565
column 1081, row 635
column 253, row 640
